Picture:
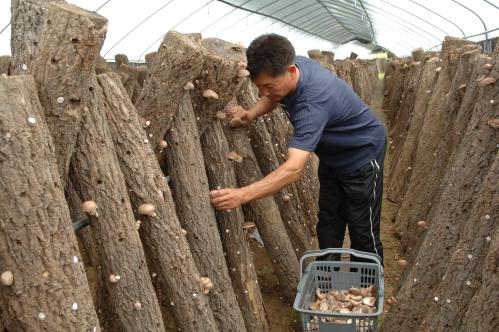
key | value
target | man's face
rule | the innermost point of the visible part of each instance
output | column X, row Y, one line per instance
column 276, row 88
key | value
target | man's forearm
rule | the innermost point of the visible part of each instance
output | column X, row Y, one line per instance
column 263, row 106
column 275, row 181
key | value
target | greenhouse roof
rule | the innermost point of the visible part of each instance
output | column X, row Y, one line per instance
column 339, row 26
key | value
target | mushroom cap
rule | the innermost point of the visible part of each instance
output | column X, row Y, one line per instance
column 89, row 207
column 114, row 279
column 487, row 81
column 494, row 123
column 286, row 198
column 188, row 86
column 235, row 122
column 137, row 306
column 249, row 225
column 422, row 224
column 234, row 156
column 242, row 65
column 243, row 72
column 163, row 144
column 370, row 301
column 487, row 66
column 210, row 94
column 220, row 115
column 7, row 278
column 402, row 263
column 147, row 209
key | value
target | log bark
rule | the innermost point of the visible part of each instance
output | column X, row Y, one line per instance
column 4, row 65
column 85, row 234
column 63, row 66
column 27, row 22
column 179, row 60
column 464, row 177
column 402, row 166
column 219, row 74
column 191, row 192
column 421, row 190
column 475, row 240
column 287, row 199
column 96, row 174
column 234, row 239
column 325, row 59
column 264, row 212
column 166, row 247
column 37, row 243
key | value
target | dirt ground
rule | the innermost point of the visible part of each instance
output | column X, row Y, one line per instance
column 282, row 317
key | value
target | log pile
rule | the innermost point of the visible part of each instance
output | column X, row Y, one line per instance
column 444, row 186
column 90, row 136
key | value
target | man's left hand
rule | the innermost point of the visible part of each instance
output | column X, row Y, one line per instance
column 226, row 199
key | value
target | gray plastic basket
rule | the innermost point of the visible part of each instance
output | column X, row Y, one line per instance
column 322, row 274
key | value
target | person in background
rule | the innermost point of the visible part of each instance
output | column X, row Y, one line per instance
column 329, row 119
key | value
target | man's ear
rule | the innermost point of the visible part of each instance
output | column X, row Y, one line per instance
column 292, row 69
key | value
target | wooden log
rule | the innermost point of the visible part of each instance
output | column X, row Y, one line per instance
column 179, row 59
column 65, row 61
column 401, row 167
column 265, row 152
column 4, row 65
column 84, row 234
column 223, row 73
column 264, row 212
column 475, row 240
column 26, row 24
column 150, row 58
column 422, row 189
column 131, row 304
column 461, row 186
column 234, row 238
column 324, row 59
column 164, row 243
column 48, row 289
column 192, row 201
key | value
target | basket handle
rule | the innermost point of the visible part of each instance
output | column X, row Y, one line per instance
column 357, row 253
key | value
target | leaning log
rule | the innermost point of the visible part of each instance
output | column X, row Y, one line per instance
column 65, row 61
column 131, row 304
column 234, row 238
column 26, row 24
column 475, row 240
column 79, row 217
column 264, row 212
column 192, row 201
column 44, row 287
column 166, row 246
column 422, row 189
column 4, row 65
column 178, row 60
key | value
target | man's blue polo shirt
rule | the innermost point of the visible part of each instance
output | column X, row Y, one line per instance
column 329, row 118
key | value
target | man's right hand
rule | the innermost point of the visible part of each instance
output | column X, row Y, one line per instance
column 239, row 116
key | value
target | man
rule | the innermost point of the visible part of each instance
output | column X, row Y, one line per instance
column 329, row 119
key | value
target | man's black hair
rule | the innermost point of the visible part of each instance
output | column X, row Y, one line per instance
column 269, row 54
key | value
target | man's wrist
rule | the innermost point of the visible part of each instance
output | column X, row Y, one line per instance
column 245, row 195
